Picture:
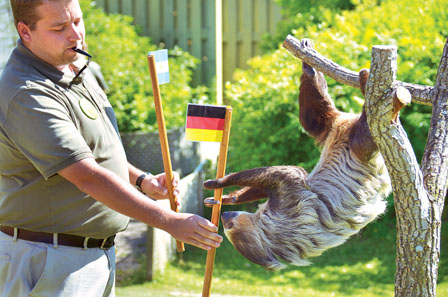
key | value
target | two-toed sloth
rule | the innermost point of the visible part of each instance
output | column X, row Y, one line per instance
column 307, row 214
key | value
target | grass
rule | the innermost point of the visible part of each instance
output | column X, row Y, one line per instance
column 364, row 266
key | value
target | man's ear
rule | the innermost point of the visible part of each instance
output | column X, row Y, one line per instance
column 24, row 32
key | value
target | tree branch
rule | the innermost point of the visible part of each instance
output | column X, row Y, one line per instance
column 420, row 94
column 435, row 158
column 321, row 63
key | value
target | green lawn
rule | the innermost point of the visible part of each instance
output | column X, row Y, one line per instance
column 364, row 266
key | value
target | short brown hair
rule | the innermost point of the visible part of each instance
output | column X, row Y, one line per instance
column 25, row 11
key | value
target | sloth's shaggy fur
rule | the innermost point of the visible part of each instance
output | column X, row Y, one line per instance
column 308, row 214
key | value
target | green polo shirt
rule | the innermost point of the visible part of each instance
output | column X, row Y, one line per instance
column 45, row 126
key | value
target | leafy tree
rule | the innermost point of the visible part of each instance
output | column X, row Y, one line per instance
column 301, row 13
column 268, row 89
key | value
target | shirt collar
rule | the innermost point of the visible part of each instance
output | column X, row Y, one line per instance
column 48, row 70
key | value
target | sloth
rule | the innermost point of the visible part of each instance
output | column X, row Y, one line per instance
column 306, row 214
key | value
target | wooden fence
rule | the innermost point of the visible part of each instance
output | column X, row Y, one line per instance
column 192, row 25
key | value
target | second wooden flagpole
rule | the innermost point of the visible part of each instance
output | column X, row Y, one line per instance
column 163, row 141
column 216, row 211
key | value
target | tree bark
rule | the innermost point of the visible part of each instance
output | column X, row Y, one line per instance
column 418, row 194
column 435, row 159
column 412, row 205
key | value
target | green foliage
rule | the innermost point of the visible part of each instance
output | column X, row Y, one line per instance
column 265, row 124
column 265, row 129
column 292, row 7
column 301, row 13
column 116, row 45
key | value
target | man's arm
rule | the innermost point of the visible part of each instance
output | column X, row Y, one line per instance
column 109, row 189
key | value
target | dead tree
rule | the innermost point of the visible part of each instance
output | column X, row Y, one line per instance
column 419, row 191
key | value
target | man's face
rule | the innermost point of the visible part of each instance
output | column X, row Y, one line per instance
column 59, row 29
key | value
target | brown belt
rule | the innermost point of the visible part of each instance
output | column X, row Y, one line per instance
column 62, row 239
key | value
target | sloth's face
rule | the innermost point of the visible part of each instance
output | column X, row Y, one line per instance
column 247, row 238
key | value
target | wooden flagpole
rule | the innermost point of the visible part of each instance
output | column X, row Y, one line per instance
column 163, row 141
column 216, row 211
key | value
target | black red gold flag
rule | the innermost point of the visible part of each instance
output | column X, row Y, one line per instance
column 205, row 122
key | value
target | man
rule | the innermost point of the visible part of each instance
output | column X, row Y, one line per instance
column 65, row 186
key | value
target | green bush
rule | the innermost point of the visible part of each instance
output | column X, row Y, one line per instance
column 116, row 45
column 293, row 7
column 265, row 128
column 301, row 13
column 265, row 124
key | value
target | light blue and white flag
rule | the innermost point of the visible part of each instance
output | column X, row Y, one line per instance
column 162, row 69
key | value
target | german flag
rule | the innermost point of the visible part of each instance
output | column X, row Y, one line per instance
column 205, row 122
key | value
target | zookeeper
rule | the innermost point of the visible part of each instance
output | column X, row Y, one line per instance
column 66, row 187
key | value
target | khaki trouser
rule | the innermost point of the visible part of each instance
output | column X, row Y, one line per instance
column 41, row 270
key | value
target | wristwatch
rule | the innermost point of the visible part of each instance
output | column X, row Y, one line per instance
column 140, row 179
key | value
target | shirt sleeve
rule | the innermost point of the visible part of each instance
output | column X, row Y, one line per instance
column 40, row 125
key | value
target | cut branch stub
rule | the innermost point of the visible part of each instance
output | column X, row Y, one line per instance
column 384, row 63
column 402, row 97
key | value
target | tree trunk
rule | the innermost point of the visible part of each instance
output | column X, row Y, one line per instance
column 412, row 206
column 418, row 194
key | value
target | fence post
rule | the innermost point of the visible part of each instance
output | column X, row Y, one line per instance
column 219, row 53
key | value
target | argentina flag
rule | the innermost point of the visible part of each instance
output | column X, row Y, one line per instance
column 161, row 59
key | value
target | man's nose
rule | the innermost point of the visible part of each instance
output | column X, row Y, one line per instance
column 75, row 32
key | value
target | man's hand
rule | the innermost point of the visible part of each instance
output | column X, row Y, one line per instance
column 155, row 186
column 195, row 230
